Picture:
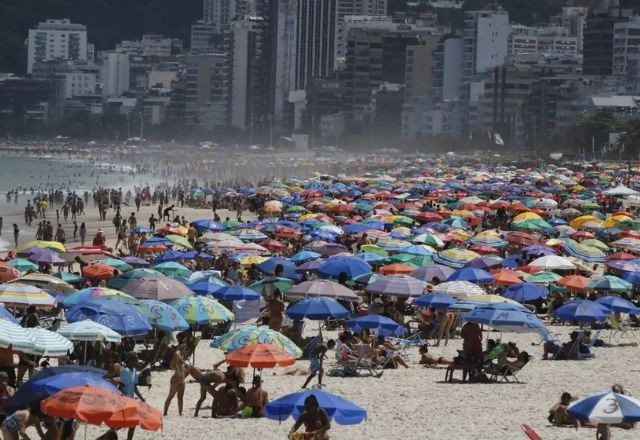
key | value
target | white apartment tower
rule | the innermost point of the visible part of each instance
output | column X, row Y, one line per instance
column 486, row 41
column 115, row 74
column 56, row 40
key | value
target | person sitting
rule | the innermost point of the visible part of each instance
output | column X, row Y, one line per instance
column 504, row 362
column 315, row 419
column 385, row 352
column 254, row 400
column 571, row 350
column 429, row 361
column 558, row 414
column 495, row 349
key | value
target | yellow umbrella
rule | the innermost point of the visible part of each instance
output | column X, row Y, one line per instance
column 307, row 217
column 51, row 245
column 613, row 221
column 252, row 259
column 579, row 221
column 490, row 234
column 595, row 243
column 526, row 216
column 464, row 235
column 554, row 242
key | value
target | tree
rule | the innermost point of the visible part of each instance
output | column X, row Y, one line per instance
column 592, row 129
column 631, row 139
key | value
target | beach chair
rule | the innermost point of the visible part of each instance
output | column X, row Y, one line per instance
column 617, row 327
column 403, row 344
column 355, row 368
column 507, row 374
column 590, row 345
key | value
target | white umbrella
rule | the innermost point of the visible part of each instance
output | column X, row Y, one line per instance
column 553, row 262
column 48, row 343
column 88, row 331
column 16, row 337
column 620, row 190
column 459, row 289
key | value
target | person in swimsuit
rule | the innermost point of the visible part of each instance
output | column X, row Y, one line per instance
column 315, row 419
column 208, row 383
column 5, row 394
column 177, row 383
column 317, row 357
column 14, row 427
column 275, row 308
column 254, row 400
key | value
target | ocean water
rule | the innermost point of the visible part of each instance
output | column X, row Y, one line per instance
column 40, row 173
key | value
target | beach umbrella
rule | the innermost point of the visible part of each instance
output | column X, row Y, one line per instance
column 248, row 234
column 46, row 282
column 632, row 277
column 582, row 311
column 22, row 295
column 524, row 292
column 97, row 292
column 327, row 288
column 396, row 269
column 169, row 256
column 120, row 265
column 69, row 278
column 260, row 356
column 47, row 257
column 397, row 285
column 6, row 315
column 198, row 310
column 574, row 282
column 14, row 336
column 351, row 267
column 39, row 388
column 505, row 277
column 160, row 288
column 617, row 304
column 164, row 316
column 23, row 265
column 436, row 301
column 48, row 343
column 207, row 225
column 236, row 293
column 49, row 245
column 242, row 337
column 476, row 276
column 370, row 258
column 380, row 325
column 435, row 273
column 459, row 289
column 87, row 331
column 172, row 268
column 120, row 317
column 99, row 271
column 122, row 280
column 455, row 258
column 304, row 256
column 317, row 309
column 207, row 286
column 612, row 283
column 589, row 254
column 542, row 277
column 338, row 409
column 552, row 262
column 608, row 408
column 136, row 262
column 624, row 265
column 8, row 272
column 179, row 241
column 505, row 317
column 521, row 238
column 485, row 262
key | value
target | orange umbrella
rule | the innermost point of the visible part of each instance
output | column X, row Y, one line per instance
column 152, row 248
column 260, row 356
column 99, row 271
column 89, row 405
column 8, row 272
column 393, row 269
column 148, row 417
column 505, row 277
column 574, row 282
column 273, row 245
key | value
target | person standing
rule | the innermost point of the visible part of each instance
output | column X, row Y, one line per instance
column 75, row 229
column 16, row 233
column 83, row 233
column 177, row 383
column 129, row 377
column 0, row 225
column 60, row 234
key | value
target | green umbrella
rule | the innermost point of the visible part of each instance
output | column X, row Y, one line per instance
column 116, row 264
column 230, row 224
column 412, row 260
column 23, row 265
column 296, row 208
column 543, row 277
column 198, row 310
column 172, row 268
column 124, row 279
column 373, row 249
column 282, row 284
column 179, row 241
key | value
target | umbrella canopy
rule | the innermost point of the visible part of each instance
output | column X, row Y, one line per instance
column 260, row 356
column 46, row 282
column 617, row 304
column 236, row 293
column 99, row 271
column 198, row 310
column 456, row 258
column 16, row 337
column 48, row 343
column 473, row 275
column 326, row 288
column 505, row 317
column 121, row 265
column 459, row 289
column 397, row 285
column 8, row 272
column 4, row 314
column 435, row 273
column 136, row 262
column 351, row 267
column 574, row 282
column 317, row 309
column 120, row 317
column 436, row 301
column 22, row 295
column 89, row 331
column 338, row 409
column 49, row 245
column 23, row 265
column 97, row 292
column 159, row 288
column 172, row 268
column 120, row 281
column 164, row 316
column 582, row 311
column 611, row 283
column 282, row 284
column 552, row 262
column 609, row 408
column 39, row 388
column 242, row 337
column 524, row 292
column 380, row 325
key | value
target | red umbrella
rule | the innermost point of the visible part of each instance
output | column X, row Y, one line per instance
column 505, row 277
column 521, row 238
column 392, row 269
column 8, row 272
column 260, row 356
column 89, row 404
column 581, row 235
column 273, row 245
column 156, row 248
column 287, row 233
column 99, row 271
column 574, row 282
column 485, row 250
column 427, row 217
column 621, row 256
column 530, row 269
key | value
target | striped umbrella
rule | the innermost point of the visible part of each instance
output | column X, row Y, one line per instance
column 455, row 258
column 16, row 337
column 48, row 343
column 50, row 245
column 164, row 316
column 608, row 408
column 397, row 285
column 88, row 330
column 48, row 282
column 587, row 253
column 160, row 288
column 21, row 295
column 198, row 310
column 242, row 337
column 459, row 289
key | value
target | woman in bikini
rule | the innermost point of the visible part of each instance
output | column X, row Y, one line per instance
column 14, row 427
column 315, row 419
column 177, row 384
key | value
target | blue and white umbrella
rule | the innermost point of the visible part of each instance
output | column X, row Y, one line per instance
column 505, row 317
column 164, row 316
column 380, row 325
column 16, row 337
column 48, row 343
column 87, row 331
column 608, row 408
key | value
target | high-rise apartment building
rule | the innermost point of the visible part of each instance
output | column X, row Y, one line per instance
column 56, row 40
column 626, row 53
column 219, row 13
column 115, row 74
column 598, row 39
column 486, row 41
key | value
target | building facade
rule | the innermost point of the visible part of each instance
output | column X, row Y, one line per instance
column 56, row 40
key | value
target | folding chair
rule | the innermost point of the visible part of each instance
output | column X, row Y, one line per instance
column 507, row 371
column 415, row 340
column 616, row 327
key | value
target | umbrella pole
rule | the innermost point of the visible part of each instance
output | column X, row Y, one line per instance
column 85, row 363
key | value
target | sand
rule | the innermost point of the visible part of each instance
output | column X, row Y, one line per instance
column 402, row 404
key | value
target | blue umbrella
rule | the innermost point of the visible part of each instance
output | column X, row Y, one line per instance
column 523, row 292
column 120, row 317
column 136, row 262
column 169, row 256
column 164, row 316
column 356, row 228
column 207, row 286
column 158, row 240
column 317, row 309
column 334, row 267
column 304, row 256
column 631, row 277
column 288, row 268
column 436, row 301
column 140, row 230
column 608, row 408
column 370, row 257
column 236, row 293
column 207, row 225
column 472, row 275
column 618, row 304
column 397, row 285
column 67, row 277
column 38, row 388
column 340, row 410
column 505, row 317
column 432, row 273
column 381, row 325
column 582, row 311
column 417, row 250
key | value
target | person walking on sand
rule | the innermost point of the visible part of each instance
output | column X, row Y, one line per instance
column 16, row 233
column 177, row 383
column 317, row 358
column 83, row 233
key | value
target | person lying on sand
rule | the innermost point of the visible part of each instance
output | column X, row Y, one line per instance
column 429, row 361
column 558, row 415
